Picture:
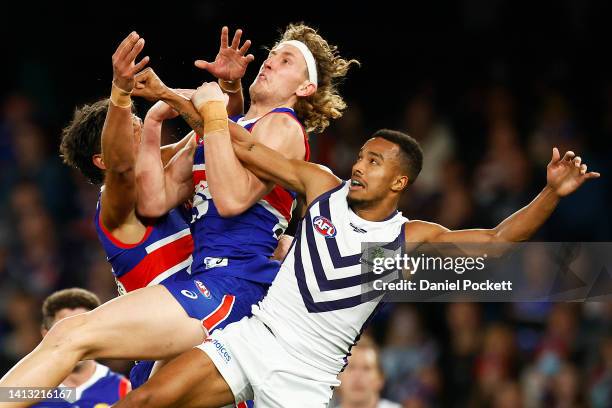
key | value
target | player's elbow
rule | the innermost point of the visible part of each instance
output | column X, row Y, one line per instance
column 150, row 208
column 119, row 165
column 229, row 207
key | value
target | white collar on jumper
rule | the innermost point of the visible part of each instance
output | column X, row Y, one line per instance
column 311, row 64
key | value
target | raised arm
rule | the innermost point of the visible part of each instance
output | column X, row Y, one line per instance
column 150, row 86
column 229, row 67
column 161, row 187
column 118, row 142
column 233, row 187
column 564, row 176
column 154, row 121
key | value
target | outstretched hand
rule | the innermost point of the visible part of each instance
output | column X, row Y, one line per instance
column 124, row 61
column 231, row 62
column 565, row 175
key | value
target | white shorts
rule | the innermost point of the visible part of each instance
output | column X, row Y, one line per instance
column 256, row 367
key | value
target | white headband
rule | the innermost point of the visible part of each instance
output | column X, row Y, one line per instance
column 311, row 64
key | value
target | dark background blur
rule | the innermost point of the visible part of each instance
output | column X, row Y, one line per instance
column 487, row 86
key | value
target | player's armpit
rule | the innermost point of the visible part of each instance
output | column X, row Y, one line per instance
column 168, row 151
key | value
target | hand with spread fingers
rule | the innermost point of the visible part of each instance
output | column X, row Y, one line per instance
column 124, row 61
column 231, row 62
column 149, row 86
column 565, row 175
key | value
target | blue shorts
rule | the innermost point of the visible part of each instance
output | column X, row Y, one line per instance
column 216, row 300
column 140, row 373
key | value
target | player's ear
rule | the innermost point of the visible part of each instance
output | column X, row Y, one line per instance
column 98, row 161
column 400, row 183
column 306, row 89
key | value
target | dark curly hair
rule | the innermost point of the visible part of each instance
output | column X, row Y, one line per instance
column 81, row 139
column 326, row 103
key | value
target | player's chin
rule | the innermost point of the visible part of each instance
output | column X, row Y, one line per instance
column 357, row 196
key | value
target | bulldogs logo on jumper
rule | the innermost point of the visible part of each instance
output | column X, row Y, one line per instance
column 324, row 226
column 203, row 289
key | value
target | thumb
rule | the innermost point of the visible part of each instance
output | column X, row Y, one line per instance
column 202, row 64
column 555, row 155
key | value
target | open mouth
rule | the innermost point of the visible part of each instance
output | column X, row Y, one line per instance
column 356, row 185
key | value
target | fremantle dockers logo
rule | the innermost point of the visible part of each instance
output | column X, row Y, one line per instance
column 324, row 226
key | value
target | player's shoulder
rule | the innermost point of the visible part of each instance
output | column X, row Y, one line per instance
column 280, row 121
column 282, row 133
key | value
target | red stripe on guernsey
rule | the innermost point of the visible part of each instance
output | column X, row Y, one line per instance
column 118, row 243
column 124, row 387
column 198, row 175
column 242, row 405
column 219, row 314
column 157, row 262
column 280, row 200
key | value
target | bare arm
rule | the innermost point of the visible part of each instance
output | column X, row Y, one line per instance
column 161, row 188
column 564, row 176
column 154, row 120
column 302, row 177
column 150, row 87
column 278, row 132
column 282, row 249
column 235, row 103
column 118, row 143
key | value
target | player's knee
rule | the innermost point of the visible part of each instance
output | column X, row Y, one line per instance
column 68, row 334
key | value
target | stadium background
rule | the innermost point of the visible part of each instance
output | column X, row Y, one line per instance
column 487, row 86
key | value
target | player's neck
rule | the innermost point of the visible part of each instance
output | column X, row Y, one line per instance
column 373, row 211
column 81, row 373
column 259, row 108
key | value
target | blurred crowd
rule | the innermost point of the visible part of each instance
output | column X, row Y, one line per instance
column 484, row 158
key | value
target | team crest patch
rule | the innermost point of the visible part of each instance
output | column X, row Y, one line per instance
column 324, row 226
column 203, row 289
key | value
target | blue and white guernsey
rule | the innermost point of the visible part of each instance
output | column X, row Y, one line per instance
column 315, row 306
